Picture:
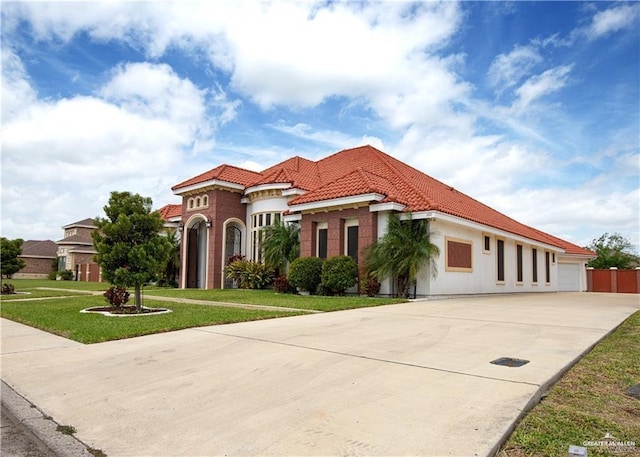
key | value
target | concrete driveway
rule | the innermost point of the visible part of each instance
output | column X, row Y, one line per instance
column 408, row 379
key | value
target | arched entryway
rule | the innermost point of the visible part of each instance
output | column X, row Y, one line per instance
column 196, row 254
column 233, row 246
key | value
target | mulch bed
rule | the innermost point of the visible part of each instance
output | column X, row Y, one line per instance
column 126, row 310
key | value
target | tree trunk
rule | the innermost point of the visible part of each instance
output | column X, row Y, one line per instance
column 138, row 299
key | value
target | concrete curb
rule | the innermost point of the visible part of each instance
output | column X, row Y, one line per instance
column 542, row 390
column 40, row 427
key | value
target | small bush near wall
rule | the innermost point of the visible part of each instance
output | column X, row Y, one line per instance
column 281, row 285
column 339, row 273
column 370, row 286
column 249, row 274
column 305, row 273
column 66, row 275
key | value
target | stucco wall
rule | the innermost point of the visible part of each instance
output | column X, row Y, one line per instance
column 483, row 277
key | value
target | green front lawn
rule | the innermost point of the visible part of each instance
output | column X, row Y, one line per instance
column 26, row 284
column 270, row 298
column 62, row 316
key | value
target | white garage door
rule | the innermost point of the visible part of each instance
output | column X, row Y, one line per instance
column 569, row 277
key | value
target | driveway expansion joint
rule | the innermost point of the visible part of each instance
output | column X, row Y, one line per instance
column 374, row 359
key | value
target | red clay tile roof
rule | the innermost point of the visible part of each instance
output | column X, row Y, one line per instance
column 36, row 248
column 227, row 173
column 365, row 170
column 301, row 173
column 169, row 211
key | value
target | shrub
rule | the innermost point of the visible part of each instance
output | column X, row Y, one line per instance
column 66, row 275
column 370, row 286
column 8, row 289
column 305, row 273
column 234, row 258
column 249, row 274
column 281, row 285
column 339, row 273
column 116, row 296
column 53, row 275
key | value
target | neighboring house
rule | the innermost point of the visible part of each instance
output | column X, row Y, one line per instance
column 172, row 215
column 39, row 257
column 76, row 248
column 342, row 204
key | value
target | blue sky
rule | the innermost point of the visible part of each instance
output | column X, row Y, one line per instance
column 530, row 107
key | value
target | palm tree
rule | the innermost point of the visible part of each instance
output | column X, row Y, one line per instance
column 170, row 272
column 280, row 244
column 402, row 252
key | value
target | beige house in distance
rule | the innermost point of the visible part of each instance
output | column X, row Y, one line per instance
column 76, row 247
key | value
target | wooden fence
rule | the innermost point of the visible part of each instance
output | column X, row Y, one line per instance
column 613, row 280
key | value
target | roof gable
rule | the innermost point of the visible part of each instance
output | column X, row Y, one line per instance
column 89, row 222
column 226, row 173
column 169, row 211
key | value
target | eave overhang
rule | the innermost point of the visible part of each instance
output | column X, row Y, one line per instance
column 342, row 201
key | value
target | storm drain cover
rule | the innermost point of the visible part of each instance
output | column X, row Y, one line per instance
column 509, row 362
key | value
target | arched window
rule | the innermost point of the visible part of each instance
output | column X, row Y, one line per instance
column 190, row 205
column 205, row 200
column 197, row 202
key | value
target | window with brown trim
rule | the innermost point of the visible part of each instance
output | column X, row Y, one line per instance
column 519, row 264
column 486, row 244
column 547, row 268
column 500, row 259
column 459, row 255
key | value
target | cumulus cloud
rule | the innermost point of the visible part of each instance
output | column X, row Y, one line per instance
column 130, row 135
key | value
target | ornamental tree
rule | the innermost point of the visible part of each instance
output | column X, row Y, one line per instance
column 9, row 252
column 613, row 251
column 130, row 248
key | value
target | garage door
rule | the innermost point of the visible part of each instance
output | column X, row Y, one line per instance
column 569, row 277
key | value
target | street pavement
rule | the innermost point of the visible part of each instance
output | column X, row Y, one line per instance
column 407, row 379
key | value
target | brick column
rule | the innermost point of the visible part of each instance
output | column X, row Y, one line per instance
column 614, row 279
column 589, row 279
column 306, row 237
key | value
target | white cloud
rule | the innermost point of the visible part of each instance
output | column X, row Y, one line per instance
column 16, row 90
column 335, row 139
column 131, row 135
column 540, row 85
column 507, row 70
column 613, row 20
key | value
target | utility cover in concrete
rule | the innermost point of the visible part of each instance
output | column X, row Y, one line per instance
column 509, row 362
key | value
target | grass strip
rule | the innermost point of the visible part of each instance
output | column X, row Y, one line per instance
column 270, row 298
column 37, row 293
column 588, row 404
column 61, row 316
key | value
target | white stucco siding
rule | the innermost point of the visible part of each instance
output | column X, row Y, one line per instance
column 483, row 276
column 263, row 205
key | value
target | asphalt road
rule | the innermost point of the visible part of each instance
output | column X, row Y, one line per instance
column 15, row 441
